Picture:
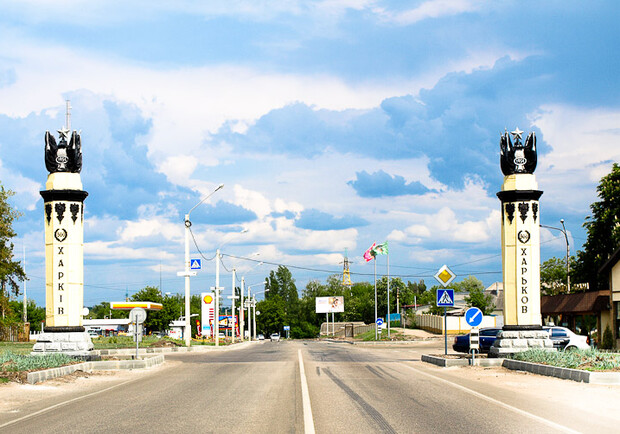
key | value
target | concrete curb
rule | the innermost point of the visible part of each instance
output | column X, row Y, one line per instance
column 105, row 365
column 165, row 350
column 563, row 373
column 534, row 368
column 447, row 363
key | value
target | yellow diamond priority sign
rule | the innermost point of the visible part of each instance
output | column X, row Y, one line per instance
column 445, row 276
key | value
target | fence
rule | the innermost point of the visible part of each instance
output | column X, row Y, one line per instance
column 19, row 332
column 456, row 324
column 345, row 329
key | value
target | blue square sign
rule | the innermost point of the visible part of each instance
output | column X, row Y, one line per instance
column 445, row 297
column 195, row 264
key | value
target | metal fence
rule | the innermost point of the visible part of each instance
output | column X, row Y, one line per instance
column 345, row 329
column 19, row 332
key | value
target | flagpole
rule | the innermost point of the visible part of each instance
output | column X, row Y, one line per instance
column 376, row 299
column 388, row 293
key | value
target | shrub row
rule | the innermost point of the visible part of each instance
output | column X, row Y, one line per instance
column 12, row 362
column 589, row 360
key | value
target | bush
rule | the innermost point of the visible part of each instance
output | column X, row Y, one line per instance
column 589, row 360
column 608, row 339
column 12, row 362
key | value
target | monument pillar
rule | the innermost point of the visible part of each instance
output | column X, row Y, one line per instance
column 520, row 248
column 64, row 245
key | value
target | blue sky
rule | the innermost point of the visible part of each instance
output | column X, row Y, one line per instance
column 332, row 124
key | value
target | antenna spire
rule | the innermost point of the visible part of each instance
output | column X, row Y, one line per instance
column 68, row 115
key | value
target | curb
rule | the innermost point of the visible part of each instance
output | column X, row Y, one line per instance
column 150, row 360
column 447, row 363
column 534, row 368
column 164, row 350
column 563, row 373
column 106, row 365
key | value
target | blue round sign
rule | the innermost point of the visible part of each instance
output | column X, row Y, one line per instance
column 379, row 321
column 473, row 316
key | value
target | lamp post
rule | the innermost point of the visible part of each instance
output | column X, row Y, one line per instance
column 242, row 304
column 186, row 273
column 218, row 256
column 254, row 306
column 250, row 304
column 563, row 230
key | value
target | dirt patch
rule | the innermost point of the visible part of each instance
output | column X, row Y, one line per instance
column 164, row 343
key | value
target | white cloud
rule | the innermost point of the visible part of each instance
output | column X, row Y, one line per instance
column 26, row 190
column 428, row 9
column 584, row 143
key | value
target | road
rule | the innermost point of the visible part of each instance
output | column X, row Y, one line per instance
column 343, row 388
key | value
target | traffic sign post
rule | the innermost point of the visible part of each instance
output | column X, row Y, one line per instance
column 379, row 325
column 445, row 298
column 474, row 343
column 287, row 329
column 473, row 316
column 137, row 316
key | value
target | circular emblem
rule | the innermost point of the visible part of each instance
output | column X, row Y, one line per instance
column 62, row 159
column 524, row 236
column 60, row 235
column 208, row 299
column 520, row 160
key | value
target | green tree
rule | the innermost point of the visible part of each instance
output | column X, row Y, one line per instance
column 155, row 320
column 272, row 315
column 281, row 284
column 36, row 314
column 11, row 271
column 603, row 228
column 553, row 276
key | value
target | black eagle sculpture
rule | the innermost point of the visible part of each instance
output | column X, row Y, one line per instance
column 517, row 158
column 63, row 157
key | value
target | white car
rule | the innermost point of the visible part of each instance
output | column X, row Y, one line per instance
column 261, row 337
column 564, row 339
column 275, row 337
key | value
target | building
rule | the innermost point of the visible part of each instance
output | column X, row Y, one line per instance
column 612, row 269
column 106, row 327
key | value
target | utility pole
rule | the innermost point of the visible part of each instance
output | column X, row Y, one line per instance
column 242, row 310
column 217, row 298
column 25, row 310
column 232, row 335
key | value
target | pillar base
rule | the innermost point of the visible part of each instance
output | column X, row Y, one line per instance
column 72, row 343
column 515, row 339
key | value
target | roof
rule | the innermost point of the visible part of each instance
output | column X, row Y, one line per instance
column 613, row 259
column 578, row 303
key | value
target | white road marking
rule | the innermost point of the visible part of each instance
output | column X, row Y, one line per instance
column 496, row 402
column 305, row 396
column 60, row 404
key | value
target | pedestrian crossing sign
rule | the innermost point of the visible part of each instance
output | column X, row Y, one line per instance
column 445, row 297
column 195, row 264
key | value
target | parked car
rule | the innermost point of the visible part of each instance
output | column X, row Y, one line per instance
column 275, row 337
column 487, row 337
column 261, row 337
column 565, row 339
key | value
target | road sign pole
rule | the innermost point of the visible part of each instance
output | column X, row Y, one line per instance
column 445, row 329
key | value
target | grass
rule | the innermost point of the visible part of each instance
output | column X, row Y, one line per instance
column 12, row 362
column 370, row 336
column 588, row 360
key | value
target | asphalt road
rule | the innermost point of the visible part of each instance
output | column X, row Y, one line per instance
column 350, row 389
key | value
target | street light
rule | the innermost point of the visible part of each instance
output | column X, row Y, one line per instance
column 218, row 255
column 186, row 273
column 241, row 304
column 563, row 230
column 254, row 306
column 249, row 305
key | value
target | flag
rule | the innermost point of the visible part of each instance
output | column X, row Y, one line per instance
column 368, row 255
column 381, row 249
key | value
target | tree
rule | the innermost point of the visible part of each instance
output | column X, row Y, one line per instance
column 272, row 315
column 155, row 320
column 36, row 314
column 553, row 276
column 282, row 284
column 11, row 271
column 603, row 228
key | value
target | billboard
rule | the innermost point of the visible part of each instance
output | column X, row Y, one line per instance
column 207, row 312
column 329, row 304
